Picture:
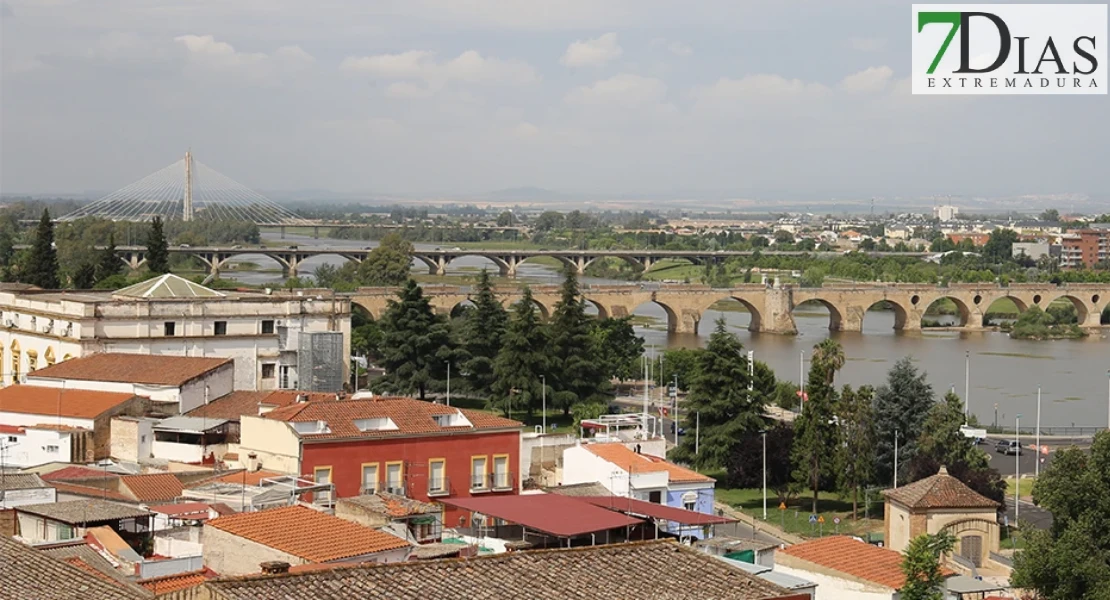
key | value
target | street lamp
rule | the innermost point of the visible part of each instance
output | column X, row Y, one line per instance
column 448, row 382
column 543, row 379
column 764, row 434
column 896, row 458
column 1017, row 466
column 1037, row 434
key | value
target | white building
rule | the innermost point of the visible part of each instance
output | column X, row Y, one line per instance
column 35, row 408
column 174, row 384
column 946, row 213
column 30, row 446
column 169, row 315
column 24, row 489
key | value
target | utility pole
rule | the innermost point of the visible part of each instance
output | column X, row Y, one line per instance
column 1037, row 434
column 188, row 204
column 697, row 432
column 967, row 386
column 543, row 395
column 802, row 381
column 448, row 383
column 1017, row 467
column 674, row 394
column 646, row 399
column 764, row 474
column 895, row 459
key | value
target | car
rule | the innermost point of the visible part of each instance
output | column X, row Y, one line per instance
column 1008, row 447
column 681, row 430
column 184, row 245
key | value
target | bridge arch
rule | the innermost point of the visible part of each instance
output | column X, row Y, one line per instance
column 836, row 316
column 1004, row 306
column 962, row 314
column 1082, row 309
column 901, row 313
column 602, row 310
column 684, row 322
column 756, row 321
column 544, row 310
column 461, row 308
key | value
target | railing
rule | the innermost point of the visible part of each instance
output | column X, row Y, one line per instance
column 503, row 481
column 1002, row 560
column 170, row 566
column 439, row 486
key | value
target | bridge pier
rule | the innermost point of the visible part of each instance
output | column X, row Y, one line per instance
column 507, row 265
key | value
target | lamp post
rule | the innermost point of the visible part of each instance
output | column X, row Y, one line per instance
column 967, row 386
column 448, row 382
column 543, row 395
column 895, row 459
column 802, row 381
column 764, row 433
column 1037, row 434
column 1017, row 467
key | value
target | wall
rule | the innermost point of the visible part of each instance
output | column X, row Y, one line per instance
column 275, row 443
column 219, row 383
column 831, row 587
column 985, row 524
column 36, row 529
column 704, row 504
column 14, row 498
column 582, row 466
column 897, row 524
column 349, row 511
column 30, row 448
column 346, row 460
column 180, row 541
column 539, row 449
column 229, row 554
column 132, row 439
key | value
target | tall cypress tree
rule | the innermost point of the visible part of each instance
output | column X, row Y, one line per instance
column 901, row 407
column 816, row 435
column 108, row 264
column 157, row 249
column 41, row 268
column 415, row 344
column 482, row 332
column 523, row 359
column 719, row 403
column 578, row 376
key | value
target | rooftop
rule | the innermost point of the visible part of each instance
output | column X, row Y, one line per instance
column 853, row 557
column 308, row 534
column 239, row 403
column 185, row 510
column 80, row 554
column 189, row 424
column 177, row 582
column 76, row 488
column 77, row 472
column 559, row 516
column 661, row 570
column 620, row 455
column 631, row 506
column 244, row 477
column 154, row 487
column 167, row 286
column 402, row 417
column 21, row 481
column 77, row 512
column 578, row 489
column 28, row 574
column 392, row 504
column 939, row 491
column 55, row 402
column 151, row 369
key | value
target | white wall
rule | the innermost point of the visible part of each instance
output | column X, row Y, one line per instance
column 30, row 448
column 14, row 498
column 582, row 466
column 277, row 446
column 835, row 588
column 34, row 529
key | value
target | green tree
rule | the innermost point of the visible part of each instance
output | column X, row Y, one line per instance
column 816, row 435
column 1000, row 245
column 505, row 219
column 942, row 444
column 157, row 249
column 389, row 264
column 84, row 277
column 719, row 400
column 680, row 362
column 744, row 468
column 482, row 330
column 1071, row 559
column 617, row 347
column 523, row 359
column 921, row 565
column 107, row 263
column 901, row 406
column 1051, row 215
column 415, row 344
column 577, row 374
column 366, row 334
column 41, row 265
column 856, row 460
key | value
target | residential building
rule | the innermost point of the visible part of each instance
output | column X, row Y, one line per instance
column 192, row 440
column 268, row 336
column 1035, row 250
column 942, row 503
column 30, row 574
column 60, row 521
column 167, row 516
column 976, row 238
column 747, row 550
column 413, row 520
column 18, row 489
column 946, row 212
column 1084, row 248
column 253, row 491
column 297, row 535
column 627, row 472
column 174, row 384
column 30, row 445
column 408, row 447
column 32, row 406
column 845, row 568
column 604, row 572
column 82, row 554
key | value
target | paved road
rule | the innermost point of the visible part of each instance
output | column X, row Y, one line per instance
column 743, row 530
column 1029, row 514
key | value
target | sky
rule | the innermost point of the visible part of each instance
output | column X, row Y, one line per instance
column 776, row 99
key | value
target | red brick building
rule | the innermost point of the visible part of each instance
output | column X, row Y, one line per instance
column 404, row 446
column 1084, row 248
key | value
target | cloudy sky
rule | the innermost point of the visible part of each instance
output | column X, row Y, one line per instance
column 785, row 98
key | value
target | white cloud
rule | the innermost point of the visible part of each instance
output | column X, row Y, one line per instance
column 207, row 54
column 623, row 90
column 757, row 86
column 867, row 44
column 406, row 65
column 407, row 90
column 592, row 53
column 418, row 65
column 870, row 80
column 526, row 130
column 221, row 53
column 680, row 49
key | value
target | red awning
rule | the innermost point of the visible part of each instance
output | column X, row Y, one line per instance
column 656, row 511
column 560, row 516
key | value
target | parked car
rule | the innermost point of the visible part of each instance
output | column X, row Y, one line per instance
column 681, row 430
column 1008, row 447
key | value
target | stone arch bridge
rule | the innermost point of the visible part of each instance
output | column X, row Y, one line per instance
column 772, row 308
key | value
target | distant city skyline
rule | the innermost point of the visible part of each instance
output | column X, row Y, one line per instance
column 796, row 102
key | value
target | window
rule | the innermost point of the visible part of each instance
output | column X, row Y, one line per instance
column 268, row 327
column 501, row 479
column 221, row 327
column 322, row 475
column 169, row 329
column 288, row 380
column 268, row 370
column 690, row 501
column 655, row 497
column 12, row 439
column 52, row 449
column 370, row 478
column 394, row 478
column 478, row 473
column 65, row 531
column 437, row 478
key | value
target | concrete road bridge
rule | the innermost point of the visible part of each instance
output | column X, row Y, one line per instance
column 772, row 307
column 507, row 261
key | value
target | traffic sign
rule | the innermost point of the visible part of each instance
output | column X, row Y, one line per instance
column 836, row 520
column 782, row 506
column 812, row 519
column 821, row 520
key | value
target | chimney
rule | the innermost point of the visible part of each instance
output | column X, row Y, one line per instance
column 943, row 470
column 274, row 567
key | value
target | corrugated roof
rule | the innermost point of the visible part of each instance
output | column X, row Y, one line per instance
column 21, row 481
column 152, row 369
column 620, row 455
column 153, row 487
column 662, row 570
column 167, row 286
column 308, row 534
column 51, row 402
column 28, row 574
column 84, row 511
column 939, row 491
column 853, row 557
column 185, row 510
column 410, row 416
column 653, row 510
column 560, row 516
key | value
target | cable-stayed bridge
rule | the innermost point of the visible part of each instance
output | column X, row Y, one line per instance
column 188, row 190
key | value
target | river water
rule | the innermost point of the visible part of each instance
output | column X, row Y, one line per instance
column 1005, row 373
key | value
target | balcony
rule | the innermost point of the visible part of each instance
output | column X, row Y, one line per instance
column 439, row 486
column 493, row 482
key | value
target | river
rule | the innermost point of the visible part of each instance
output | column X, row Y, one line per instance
column 1005, row 373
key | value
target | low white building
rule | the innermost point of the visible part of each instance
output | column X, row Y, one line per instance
column 174, row 384
column 21, row 489
column 269, row 336
column 34, row 407
column 33, row 445
column 191, row 440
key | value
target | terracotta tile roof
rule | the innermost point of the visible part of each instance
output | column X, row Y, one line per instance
column 620, row 455
column 77, row 512
column 392, row 504
column 411, row 417
column 245, row 477
column 152, row 369
column 177, row 582
column 662, row 570
column 79, row 554
column 77, row 472
column 185, row 510
column 854, row 558
column 12, row 429
column 304, row 532
column 237, row 404
column 939, row 491
column 578, row 489
column 89, row 491
column 154, row 487
column 22, row 481
column 28, row 574
column 80, row 404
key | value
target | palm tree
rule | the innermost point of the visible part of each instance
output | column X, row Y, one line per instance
column 829, row 354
